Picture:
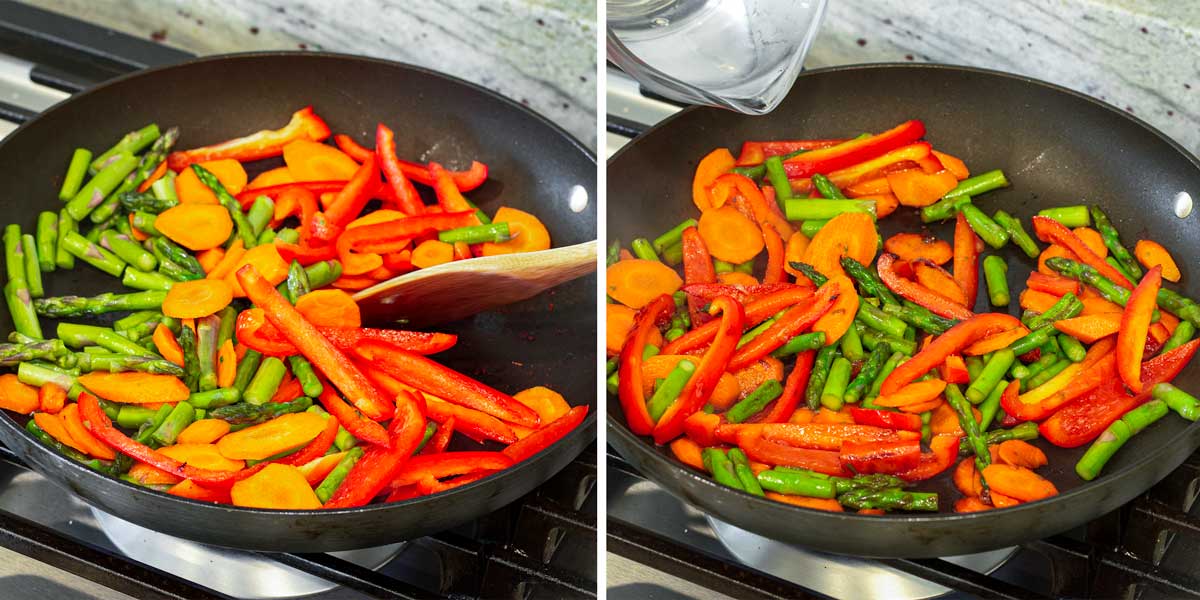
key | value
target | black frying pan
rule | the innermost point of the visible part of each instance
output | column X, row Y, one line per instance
column 1058, row 147
column 534, row 166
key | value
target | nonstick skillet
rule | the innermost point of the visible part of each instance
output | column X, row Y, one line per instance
column 1057, row 147
column 535, row 166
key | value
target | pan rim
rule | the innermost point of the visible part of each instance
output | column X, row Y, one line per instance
column 646, row 449
column 588, row 424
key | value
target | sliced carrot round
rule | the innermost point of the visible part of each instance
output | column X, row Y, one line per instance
column 528, row 233
column 134, row 387
column 313, row 161
column 730, row 235
column 636, row 282
column 914, row 246
column 268, row 439
column 276, row 176
column 848, row 234
column 17, row 396
column 1151, row 253
column 715, row 164
column 796, row 245
column 736, row 278
column 204, row 431
column 266, row 259
column 204, row 456
column 167, row 345
column 277, row 486
column 754, row 375
column 53, row 425
column 329, row 308
column 198, row 298
column 195, row 226
column 431, row 253
column 191, row 190
column 547, row 403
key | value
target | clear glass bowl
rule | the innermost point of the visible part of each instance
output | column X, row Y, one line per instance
column 738, row 54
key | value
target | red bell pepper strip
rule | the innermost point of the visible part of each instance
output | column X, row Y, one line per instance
column 755, row 313
column 469, row 422
column 797, row 319
column 630, row 390
column 697, row 269
column 793, row 389
column 361, row 427
column 351, row 200
column 431, row 377
column 1135, row 325
column 1088, row 416
column 1094, row 373
column 950, row 342
column 306, row 255
column 750, row 200
column 712, row 366
column 759, row 449
column 394, row 236
column 943, row 452
column 880, row 457
column 829, row 436
column 407, row 199
column 1051, row 231
column 441, row 438
column 101, row 426
column 775, row 250
column 954, row 370
column 886, row 419
column 966, row 259
column 257, row 333
column 352, row 148
column 319, row 351
column 744, row 294
column 546, row 436
column 472, row 423
column 449, row 464
column 380, row 464
column 304, row 125
column 318, row 446
column 754, row 153
column 1055, row 285
column 853, row 152
column 911, row 290
column 448, row 196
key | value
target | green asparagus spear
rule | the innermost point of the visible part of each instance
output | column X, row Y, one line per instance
column 868, row 280
column 835, row 384
column 721, row 468
column 33, row 270
column 890, row 499
column 49, row 350
column 166, row 248
column 669, row 390
column 754, row 402
column 745, row 475
column 246, row 369
column 91, row 253
column 991, row 375
column 303, row 370
column 334, row 479
column 851, row 344
column 1113, row 240
column 810, row 272
column 1069, row 216
column 858, row 387
column 207, row 329
column 180, row 417
column 1178, row 400
column 1017, row 233
column 643, row 249
column 244, row 413
column 66, row 225
column 919, row 317
column 477, row 234
column 146, row 202
column 1116, row 435
column 265, row 382
column 966, row 419
column 1182, row 335
column 20, row 307
column 76, row 170
column 47, row 237
column 983, row 226
column 80, row 306
column 263, row 210
column 806, row 341
column 146, row 281
column 672, row 237
column 820, row 372
column 39, row 374
column 215, row 398
column 995, row 273
column 130, row 143
column 244, row 230
column 93, row 193
column 796, row 484
column 807, row 209
column 1072, row 348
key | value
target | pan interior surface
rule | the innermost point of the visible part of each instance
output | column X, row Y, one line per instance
column 534, row 166
column 1057, row 148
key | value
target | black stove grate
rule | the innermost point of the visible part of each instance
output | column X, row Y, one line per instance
column 542, row 546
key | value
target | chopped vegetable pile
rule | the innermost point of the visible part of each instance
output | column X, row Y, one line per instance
column 239, row 371
column 894, row 373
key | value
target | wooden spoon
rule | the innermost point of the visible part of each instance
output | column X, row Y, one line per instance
column 463, row 288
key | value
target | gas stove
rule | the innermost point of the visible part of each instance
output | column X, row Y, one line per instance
column 659, row 547
column 53, row 545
